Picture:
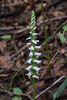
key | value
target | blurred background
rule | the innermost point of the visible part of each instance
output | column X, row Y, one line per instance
column 15, row 21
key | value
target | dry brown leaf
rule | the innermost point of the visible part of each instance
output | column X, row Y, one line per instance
column 38, row 6
column 3, row 46
column 4, row 63
column 40, row 84
column 58, row 13
column 63, row 51
column 3, row 75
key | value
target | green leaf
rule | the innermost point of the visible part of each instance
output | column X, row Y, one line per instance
column 17, row 98
column 64, row 27
column 60, row 89
column 6, row 37
column 17, row 91
column 62, row 38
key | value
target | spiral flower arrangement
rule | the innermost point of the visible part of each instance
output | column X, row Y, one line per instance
column 33, row 68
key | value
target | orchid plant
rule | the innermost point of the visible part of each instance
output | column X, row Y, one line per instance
column 33, row 68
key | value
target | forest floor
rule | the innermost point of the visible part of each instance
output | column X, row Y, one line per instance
column 15, row 21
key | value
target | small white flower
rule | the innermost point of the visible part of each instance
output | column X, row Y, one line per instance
column 29, row 75
column 28, row 43
column 35, row 41
column 37, row 61
column 33, row 25
column 35, row 76
column 29, row 61
column 37, row 54
column 37, row 47
column 33, row 22
column 28, row 68
column 30, row 32
column 31, row 48
column 36, row 68
column 28, row 38
column 31, row 54
column 32, row 18
column 35, row 28
column 35, row 33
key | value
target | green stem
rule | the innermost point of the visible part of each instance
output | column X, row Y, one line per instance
column 45, row 32
column 19, row 59
column 33, row 80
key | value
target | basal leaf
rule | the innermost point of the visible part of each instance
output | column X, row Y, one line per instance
column 17, row 98
column 17, row 91
column 64, row 27
column 6, row 37
column 60, row 89
column 62, row 38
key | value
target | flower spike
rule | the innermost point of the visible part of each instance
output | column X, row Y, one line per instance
column 32, row 68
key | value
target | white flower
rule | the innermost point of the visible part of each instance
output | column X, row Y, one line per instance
column 37, row 61
column 37, row 54
column 37, row 47
column 29, row 75
column 31, row 48
column 36, row 68
column 35, row 33
column 32, row 18
column 29, row 61
column 28, row 38
column 33, row 22
column 33, row 25
column 28, row 43
column 35, row 76
column 28, row 68
column 35, row 41
column 35, row 28
column 31, row 54
column 30, row 32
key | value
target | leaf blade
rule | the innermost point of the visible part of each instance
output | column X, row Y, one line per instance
column 60, row 89
column 17, row 91
column 64, row 27
column 16, row 98
column 6, row 37
column 62, row 38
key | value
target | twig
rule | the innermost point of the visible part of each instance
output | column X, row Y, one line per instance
column 49, row 64
column 25, row 29
column 29, row 96
column 17, row 52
